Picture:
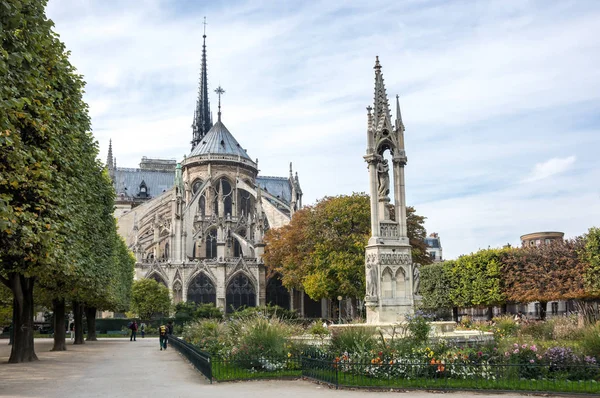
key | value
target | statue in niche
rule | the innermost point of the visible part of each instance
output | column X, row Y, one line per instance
column 372, row 281
column 416, row 278
column 383, row 178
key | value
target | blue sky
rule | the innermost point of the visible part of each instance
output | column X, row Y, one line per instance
column 500, row 99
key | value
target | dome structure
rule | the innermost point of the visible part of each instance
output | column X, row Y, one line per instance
column 219, row 141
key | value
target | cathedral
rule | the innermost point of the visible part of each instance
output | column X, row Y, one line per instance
column 197, row 226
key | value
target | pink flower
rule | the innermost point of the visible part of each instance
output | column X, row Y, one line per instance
column 539, row 356
column 479, row 353
column 533, row 348
column 516, row 345
column 531, row 361
column 507, row 354
column 524, row 346
column 516, row 351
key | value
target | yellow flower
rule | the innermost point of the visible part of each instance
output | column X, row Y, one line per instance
column 289, row 354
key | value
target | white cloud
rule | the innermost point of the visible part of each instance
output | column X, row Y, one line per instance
column 487, row 90
column 550, row 167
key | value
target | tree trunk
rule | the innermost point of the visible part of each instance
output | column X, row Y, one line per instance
column 90, row 315
column 543, row 305
column 455, row 314
column 78, row 314
column 22, row 348
column 490, row 313
column 58, row 308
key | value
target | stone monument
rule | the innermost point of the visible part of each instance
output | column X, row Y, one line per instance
column 392, row 278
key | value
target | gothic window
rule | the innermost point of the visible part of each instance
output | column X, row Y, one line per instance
column 400, row 283
column 202, row 205
column 227, row 196
column 386, row 284
column 158, row 278
column 196, row 186
column 202, row 290
column 240, row 293
column 244, row 202
column 211, row 244
column 277, row 294
column 143, row 190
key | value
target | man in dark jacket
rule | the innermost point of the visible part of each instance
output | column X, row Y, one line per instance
column 134, row 328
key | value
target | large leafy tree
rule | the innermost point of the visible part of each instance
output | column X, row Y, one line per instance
column 545, row 273
column 322, row 249
column 148, row 297
column 476, row 279
column 436, row 286
column 589, row 254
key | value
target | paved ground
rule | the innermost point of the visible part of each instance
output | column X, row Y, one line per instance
column 119, row 368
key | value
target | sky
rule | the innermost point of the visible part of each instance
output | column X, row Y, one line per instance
column 500, row 99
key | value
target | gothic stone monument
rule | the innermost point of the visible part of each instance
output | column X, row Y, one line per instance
column 392, row 278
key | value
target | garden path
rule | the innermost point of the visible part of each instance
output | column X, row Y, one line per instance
column 118, row 368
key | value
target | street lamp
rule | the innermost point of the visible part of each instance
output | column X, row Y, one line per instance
column 340, row 308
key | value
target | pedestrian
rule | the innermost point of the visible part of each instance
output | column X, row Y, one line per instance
column 143, row 329
column 134, row 329
column 72, row 330
column 162, row 337
column 170, row 327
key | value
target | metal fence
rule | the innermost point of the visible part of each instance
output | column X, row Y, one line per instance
column 575, row 379
column 572, row 379
column 200, row 359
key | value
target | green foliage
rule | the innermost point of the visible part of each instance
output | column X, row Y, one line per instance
column 322, row 249
column 268, row 311
column 148, row 298
column 590, row 255
column 505, row 327
column 209, row 335
column 418, row 327
column 538, row 330
column 317, row 329
column 435, row 286
column 6, row 299
column 476, row 278
column 187, row 311
column 353, row 339
column 590, row 340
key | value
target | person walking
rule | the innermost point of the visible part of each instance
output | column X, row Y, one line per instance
column 72, row 330
column 143, row 329
column 134, row 329
column 162, row 337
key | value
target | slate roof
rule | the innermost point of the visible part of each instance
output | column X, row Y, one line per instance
column 276, row 186
column 128, row 180
column 219, row 141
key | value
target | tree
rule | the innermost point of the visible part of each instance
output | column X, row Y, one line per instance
column 44, row 130
column 148, row 297
column 545, row 273
column 590, row 256
column 476, row 279
column 322, row 249
column 435, row 287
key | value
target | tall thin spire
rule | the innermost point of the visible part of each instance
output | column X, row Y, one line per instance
column 381, row 105
column 109, row 158
column 202, row 119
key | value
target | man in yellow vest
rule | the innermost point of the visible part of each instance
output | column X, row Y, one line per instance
column 162, row 335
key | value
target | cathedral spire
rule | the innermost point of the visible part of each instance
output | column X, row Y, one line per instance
column 202, row 119
column 109, row 158
column 381, row 106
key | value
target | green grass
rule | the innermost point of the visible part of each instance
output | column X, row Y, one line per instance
column 227, row 371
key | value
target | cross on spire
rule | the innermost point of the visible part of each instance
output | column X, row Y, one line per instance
column 219, row 90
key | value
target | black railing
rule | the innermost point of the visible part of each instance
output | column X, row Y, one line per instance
column 398, row 373
column 200, row 359
column 576, row 379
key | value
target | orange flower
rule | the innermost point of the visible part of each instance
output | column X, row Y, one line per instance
column 432, row 361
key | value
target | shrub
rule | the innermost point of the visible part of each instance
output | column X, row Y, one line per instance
column 505, row 327
column 590, row 340
column 466, row 322
column 539, row 330
column 209, row 336
column 418, row 326
column 528, row 359
column 564, row 328
column 318, row 330
column 268, row 311
column 565, row 364
column 353, row 339
column 208, row 311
